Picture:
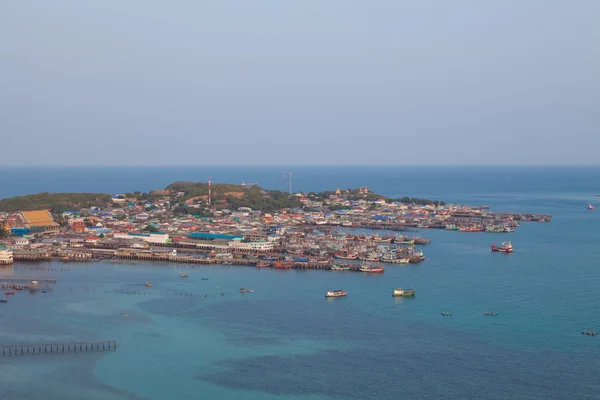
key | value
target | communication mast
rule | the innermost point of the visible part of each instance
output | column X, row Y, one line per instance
column 209, row 192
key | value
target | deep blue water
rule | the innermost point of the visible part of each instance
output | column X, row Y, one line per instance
column 285, row 341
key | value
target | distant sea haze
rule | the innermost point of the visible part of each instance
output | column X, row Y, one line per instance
column 449, row 184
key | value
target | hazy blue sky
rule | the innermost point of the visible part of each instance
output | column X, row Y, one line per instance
column 299, row 82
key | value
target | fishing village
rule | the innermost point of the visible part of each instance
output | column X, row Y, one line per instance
column 205, row 223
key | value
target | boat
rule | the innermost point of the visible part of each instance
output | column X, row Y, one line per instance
column 262, row 264
column 125, row 314
column 588, row 332
column 505, row 248
column 280, row 265
column 591, row 207
column 183, row 275
column 226, row 263
column 371, row 269
column 148, row 284
column 204, row 279
column 345, row 255
column 244, row 290
column 509, row 229
column 44, row 291
column 340, row 267
column 490, row 313
column 4, row 300
column 34, row 283
column 336, row 293
column 446, row 313
column 9, row 293
column 403, row 292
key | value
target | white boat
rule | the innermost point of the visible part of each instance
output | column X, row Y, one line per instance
column 183, row 275
column 34, row 283
column 336, row 293
column 403, row 292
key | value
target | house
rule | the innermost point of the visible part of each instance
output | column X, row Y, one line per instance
column 143, row 216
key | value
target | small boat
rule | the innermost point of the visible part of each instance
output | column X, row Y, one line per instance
column 505, row 248
column 4, row 300
column 262, row 265
column 34, row 283
column 588, row 332
column 509, row 229
column 148, row 284
column 226, row 263
column 490, row 313
column 125, row 314
column 371, row 269
column 446, row 313
column 403, row 292
column 591, row 207
column 44, row 291
column 204, row 279
column 336, row 293
column 9, row 293
column 183, row 275
column 244, row 290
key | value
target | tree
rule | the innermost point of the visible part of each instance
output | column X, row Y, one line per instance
column 150, row 228
column 3, row 233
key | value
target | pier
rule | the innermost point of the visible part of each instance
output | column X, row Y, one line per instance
column 61, row 347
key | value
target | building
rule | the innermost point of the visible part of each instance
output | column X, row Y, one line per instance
column 6, row 256
column 39, row 221
column 156, row 238
column 250, row 246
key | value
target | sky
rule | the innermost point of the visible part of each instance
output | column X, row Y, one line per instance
column 271, row 82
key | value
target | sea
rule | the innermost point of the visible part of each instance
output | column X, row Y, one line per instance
column 182, row 339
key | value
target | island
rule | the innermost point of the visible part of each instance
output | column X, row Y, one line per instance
column 210, row 223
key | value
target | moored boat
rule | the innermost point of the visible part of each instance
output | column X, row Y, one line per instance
column 148, row 284
column 371, row 269
column 262, row 264
column 34, row 283
column 403, row 292
column 9, row 292
column 4, row 300
column 345, row 255
column 336, row 293
column 183, row 275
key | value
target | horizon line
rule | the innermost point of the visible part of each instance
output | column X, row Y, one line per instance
column 287, row 165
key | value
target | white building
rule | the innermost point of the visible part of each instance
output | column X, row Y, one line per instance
column 250, row 246
column 157, row 238
column 6, row 256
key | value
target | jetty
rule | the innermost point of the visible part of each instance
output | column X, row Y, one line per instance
column 60, row 347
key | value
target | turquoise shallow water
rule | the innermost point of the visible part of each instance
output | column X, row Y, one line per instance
column 286, row 341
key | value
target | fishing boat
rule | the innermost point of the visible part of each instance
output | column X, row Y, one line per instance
column 244, row 290
column 226, row 263
column 148, row 284
column 340, row 267
column 588, row 332
column 446, row 313
column 204, row 279
column 346, row 255
column 591, row 207
column 490, row 313
column 505, row 248
column 262, row 264
column 336, row 293
column 509, row 229
column 34, row 283
column 9, row 293
column 280, row 265
column 371, row 269
column 44, row 291
column 183, row 275
column 403, row 292
column 4, row 300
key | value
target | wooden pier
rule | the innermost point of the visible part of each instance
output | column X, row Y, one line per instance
column 61, row 347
